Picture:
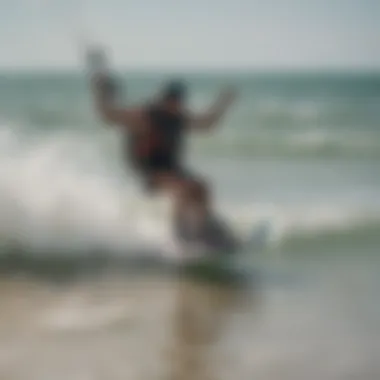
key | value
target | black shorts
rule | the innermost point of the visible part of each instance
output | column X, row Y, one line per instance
column 147, row 168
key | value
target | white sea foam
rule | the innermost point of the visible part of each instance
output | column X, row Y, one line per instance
column 53, row 197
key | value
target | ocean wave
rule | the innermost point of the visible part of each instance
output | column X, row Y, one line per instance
column 262, row 124
column 310, row 143
column 87, row 249
column 82, row 217
column 308, row 224
column 57, row 198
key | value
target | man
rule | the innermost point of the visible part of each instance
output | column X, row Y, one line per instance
column 156, row 134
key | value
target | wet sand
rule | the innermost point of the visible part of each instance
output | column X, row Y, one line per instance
column 311, row 320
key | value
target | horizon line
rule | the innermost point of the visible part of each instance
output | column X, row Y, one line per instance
column 201, row 70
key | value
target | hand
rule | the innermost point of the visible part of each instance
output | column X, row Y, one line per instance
column 96, row 60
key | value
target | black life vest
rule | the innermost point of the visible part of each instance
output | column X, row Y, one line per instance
column 164, row 138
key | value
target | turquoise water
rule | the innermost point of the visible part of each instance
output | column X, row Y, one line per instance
column 298, row 156
column 300, row 152
column 277, row 115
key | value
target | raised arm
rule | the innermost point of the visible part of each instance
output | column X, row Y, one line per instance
column 105, row 92
column 209, row 119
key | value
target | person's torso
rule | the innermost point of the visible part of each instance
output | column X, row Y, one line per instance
column 163, row 138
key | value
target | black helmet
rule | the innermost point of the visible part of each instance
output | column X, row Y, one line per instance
column 175, row 90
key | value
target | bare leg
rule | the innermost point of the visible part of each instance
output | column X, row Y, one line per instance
column 193, row 218
column 196, row 212
column 193, row 205
column 191, row 201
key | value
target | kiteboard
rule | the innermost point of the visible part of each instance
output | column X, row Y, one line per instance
column 222, row 250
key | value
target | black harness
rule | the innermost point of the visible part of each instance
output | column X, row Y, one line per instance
column 161, row 147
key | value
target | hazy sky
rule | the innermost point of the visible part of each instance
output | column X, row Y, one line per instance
column 195, row 33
